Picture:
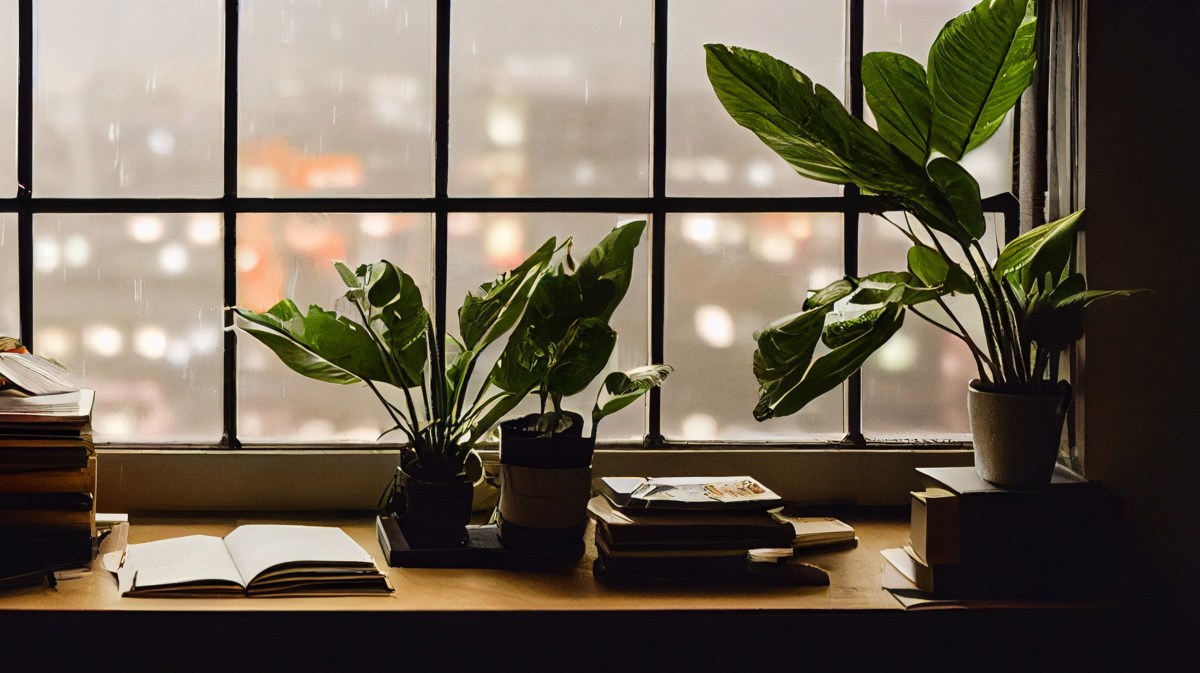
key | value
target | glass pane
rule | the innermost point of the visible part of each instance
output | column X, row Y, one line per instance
column 485, row 245
column 709, row 154
column 550, row 98
column 291, row 255
column 909, row 27
column 336, row 98
column 8, row 98
column 127, row 96
column 133, row 304
column 10, row 282
column 728, row 276
column 915, row 386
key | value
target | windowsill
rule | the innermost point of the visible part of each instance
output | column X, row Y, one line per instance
column 344, row 480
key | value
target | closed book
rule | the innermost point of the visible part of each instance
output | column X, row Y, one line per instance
column 996, row 578
column 70, row 502
column 74, row 457
column 48, row 549
column 686, row 493
column 81, row 480
column 933, row 529
column 1071, row 516
column 747, row 530
column 643, row 551
column 48, row 517
column 691, row 567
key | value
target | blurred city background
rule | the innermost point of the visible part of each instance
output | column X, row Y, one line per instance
column 547, row 98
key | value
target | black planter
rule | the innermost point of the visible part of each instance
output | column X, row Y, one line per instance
column 545, row 483
column 432, row 515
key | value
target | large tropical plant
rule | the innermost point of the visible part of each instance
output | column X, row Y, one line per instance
column 428, row 388
column 1030, row 299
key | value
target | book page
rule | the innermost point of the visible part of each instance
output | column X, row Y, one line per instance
column 190, row 559
column 256, row 548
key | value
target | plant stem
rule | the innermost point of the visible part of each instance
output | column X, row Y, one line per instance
column 391, row 409
column 992, row 328
column 437, row 384
column 979, row 357
column 1004, row 308
column 389, row 362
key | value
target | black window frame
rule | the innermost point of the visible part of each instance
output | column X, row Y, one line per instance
column 658, row 205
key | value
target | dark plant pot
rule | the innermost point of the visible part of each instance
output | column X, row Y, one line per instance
column 522, row 445
column 545, row 484
column 432, row 515
column 1016, row 435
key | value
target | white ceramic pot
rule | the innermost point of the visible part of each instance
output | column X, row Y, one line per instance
column 1016, row 435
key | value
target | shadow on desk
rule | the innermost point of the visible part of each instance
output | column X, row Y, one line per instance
column 959, row 640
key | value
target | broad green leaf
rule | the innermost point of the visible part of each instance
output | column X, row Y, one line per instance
column 893, row 287
column 979, row 65
column 348, row 276
column 621, row 389
column 928, row 265
column 806, row 124
column 798, row 386
column 1044, row 250
column 320, row 345
column 398, row 316
column 842, row 332
column 604, row 273
column 787, row 345
column 962, row 192
column 809, row 128
column 483, row 317
column 580, row 356
column 897, row 91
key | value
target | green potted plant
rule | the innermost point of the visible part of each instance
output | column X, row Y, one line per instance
column 561, row 344
column 390, row 345
column 1030, row 299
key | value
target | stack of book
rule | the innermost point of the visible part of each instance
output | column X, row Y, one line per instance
column 970, row 538
column 47, row 482
column 696, row 528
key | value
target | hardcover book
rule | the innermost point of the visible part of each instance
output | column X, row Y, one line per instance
column 1069, row 517
column 687, row 493
column 689, row 529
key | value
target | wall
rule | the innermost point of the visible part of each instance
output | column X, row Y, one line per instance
column 1143, row 354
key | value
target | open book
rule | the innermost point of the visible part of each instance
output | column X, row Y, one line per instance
column 34, row 375
column 254, row 560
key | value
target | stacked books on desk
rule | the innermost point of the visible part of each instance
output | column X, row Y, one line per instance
column 970, row 538
column 644, row 532
column 47, row 482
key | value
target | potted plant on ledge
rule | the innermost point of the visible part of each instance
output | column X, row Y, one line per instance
column 562, row 343
column 392, row 348
column 1030, row 299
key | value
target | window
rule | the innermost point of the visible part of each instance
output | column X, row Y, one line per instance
column 176, row 158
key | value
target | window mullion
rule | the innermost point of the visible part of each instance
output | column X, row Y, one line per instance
column 229, row 195
column 658, row 217
column 25, row 169
column 441, row 171
column 852, row 391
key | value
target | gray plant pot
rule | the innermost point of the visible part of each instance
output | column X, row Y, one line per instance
column 1016, row 435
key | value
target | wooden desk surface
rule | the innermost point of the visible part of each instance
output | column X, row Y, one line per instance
column 460, row 620
column 854, row 581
